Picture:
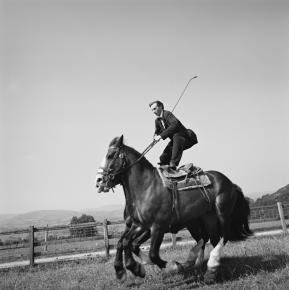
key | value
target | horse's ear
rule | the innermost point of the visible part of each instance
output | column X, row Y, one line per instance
column 119, row 142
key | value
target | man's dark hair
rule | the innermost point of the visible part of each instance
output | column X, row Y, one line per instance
column 159, row 104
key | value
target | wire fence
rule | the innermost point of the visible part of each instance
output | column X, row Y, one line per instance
column 264, row 213
column 269, row 217
column 35, row 242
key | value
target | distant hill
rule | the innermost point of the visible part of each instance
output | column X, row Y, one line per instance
column 38, row 218
column 281, row 195
column 112, row 212
column 258, row 194
column 58, row 217
column 6, row 216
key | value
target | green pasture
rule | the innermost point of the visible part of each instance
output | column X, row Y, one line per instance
column 258, row 263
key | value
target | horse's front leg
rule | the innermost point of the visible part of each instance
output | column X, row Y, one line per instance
column 118, row 261
column 157, row 236
column 137, row 242
column 136, row 268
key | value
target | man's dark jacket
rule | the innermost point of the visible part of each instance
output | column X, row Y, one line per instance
column 172, row 126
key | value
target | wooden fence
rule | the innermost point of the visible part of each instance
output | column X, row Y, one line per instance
column 54, row 241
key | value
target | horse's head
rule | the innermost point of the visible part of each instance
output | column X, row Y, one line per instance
column 112, row 164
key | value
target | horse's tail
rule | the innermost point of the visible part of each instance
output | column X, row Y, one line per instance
column 240, row 217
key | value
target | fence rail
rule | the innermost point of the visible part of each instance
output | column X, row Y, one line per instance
column 54, row 241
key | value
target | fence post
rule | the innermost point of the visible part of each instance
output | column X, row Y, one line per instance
column 45, row 239
column 105, row 237
column 31, row 246
column 174, row 243
column 282, row 219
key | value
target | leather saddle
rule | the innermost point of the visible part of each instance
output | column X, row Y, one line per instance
column 185, row 177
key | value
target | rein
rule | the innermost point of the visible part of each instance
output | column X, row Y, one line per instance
column 144, row 153
column 147, row 149
column 120, row 154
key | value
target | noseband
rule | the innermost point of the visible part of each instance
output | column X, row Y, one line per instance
column 108, row 173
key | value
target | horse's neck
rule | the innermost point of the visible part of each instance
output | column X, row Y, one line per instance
column 138, row 179
column 137, row 184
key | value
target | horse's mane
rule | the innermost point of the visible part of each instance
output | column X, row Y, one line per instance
column 133, row 151
column 143, row 160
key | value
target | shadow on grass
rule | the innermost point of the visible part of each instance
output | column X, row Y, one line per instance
column 232, row 268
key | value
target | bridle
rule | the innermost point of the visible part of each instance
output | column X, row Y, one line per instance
column 108, row 173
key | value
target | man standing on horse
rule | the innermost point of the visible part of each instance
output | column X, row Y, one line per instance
column 168, row 126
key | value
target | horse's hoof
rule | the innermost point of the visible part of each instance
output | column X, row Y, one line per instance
column 141, row 271
column 138, row 281
column 172, row 267
column 211, row 276
column 180, row 267
column 198, row 265
column 121, row 276
column 187, row 266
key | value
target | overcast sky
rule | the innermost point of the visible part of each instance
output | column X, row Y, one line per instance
column 75, row 74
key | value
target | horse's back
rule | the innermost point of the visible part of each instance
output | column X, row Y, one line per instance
column 217, row 176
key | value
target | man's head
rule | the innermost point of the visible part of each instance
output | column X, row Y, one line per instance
column 157, row 107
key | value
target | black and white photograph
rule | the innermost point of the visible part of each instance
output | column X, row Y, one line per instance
column 144, row 144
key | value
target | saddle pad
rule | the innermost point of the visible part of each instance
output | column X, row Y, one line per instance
column 195, row 181
column 176, row 174
column 199, row 180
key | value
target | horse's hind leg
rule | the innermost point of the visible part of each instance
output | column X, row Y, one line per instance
column 223, row 209
column 196, row 254
column 214, row 263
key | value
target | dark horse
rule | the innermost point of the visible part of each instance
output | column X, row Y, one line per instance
column 221, row 215
column 135, row 234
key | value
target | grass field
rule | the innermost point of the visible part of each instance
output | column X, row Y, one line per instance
column 258, row 263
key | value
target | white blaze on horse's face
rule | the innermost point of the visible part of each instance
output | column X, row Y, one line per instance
column 101, row 187
column 99, row 181
column 103, row 179
column 103, row 162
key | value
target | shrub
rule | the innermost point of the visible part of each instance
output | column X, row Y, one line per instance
column 78, row 230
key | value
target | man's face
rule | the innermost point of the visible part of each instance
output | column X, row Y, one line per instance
column 156, row 109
